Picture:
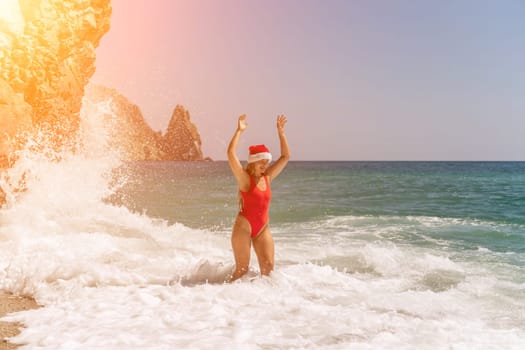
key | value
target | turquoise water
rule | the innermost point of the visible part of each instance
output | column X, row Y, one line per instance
column 484, row 200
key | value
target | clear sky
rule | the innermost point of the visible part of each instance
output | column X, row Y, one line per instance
column 358, row 79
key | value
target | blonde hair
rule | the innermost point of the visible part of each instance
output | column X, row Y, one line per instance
column 250, row 168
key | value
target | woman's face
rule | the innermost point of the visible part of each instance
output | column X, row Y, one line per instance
column 260, row 166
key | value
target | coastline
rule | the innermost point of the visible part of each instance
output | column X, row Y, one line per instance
column 11, row 303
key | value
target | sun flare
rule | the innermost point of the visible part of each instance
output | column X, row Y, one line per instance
column 11, row 16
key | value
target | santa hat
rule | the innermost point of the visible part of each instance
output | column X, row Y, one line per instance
column 259, row 152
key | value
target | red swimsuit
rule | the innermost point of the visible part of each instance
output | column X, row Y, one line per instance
column 255, row 205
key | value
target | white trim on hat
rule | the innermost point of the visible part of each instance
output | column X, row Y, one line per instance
column 259, row 156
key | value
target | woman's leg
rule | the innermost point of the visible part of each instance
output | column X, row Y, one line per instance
column 241, row 245
column 264, row 248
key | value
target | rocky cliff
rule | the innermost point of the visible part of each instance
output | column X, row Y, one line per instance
column 47, row 55
column 135, row 140
column 15, row 118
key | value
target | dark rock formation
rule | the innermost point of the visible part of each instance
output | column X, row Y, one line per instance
column 127, row 130
column 133, row 137
column 182, row 140
column 47, row 57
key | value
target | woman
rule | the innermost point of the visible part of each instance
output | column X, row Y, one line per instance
column 251, row 224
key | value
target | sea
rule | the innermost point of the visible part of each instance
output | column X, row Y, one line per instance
column 369, row 255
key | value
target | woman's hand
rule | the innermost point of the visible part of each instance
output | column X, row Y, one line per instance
column 281, row 122
column 242, row 124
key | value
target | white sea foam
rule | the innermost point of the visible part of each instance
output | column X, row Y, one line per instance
column 108, row 278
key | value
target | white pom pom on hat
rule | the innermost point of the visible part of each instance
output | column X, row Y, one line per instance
column 259, row 152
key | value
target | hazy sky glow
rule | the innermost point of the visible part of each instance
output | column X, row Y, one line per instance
column 358, row 80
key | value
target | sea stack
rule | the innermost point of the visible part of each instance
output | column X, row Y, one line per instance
column 182, row 140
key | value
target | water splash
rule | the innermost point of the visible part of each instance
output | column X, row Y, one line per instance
column 45, row 174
